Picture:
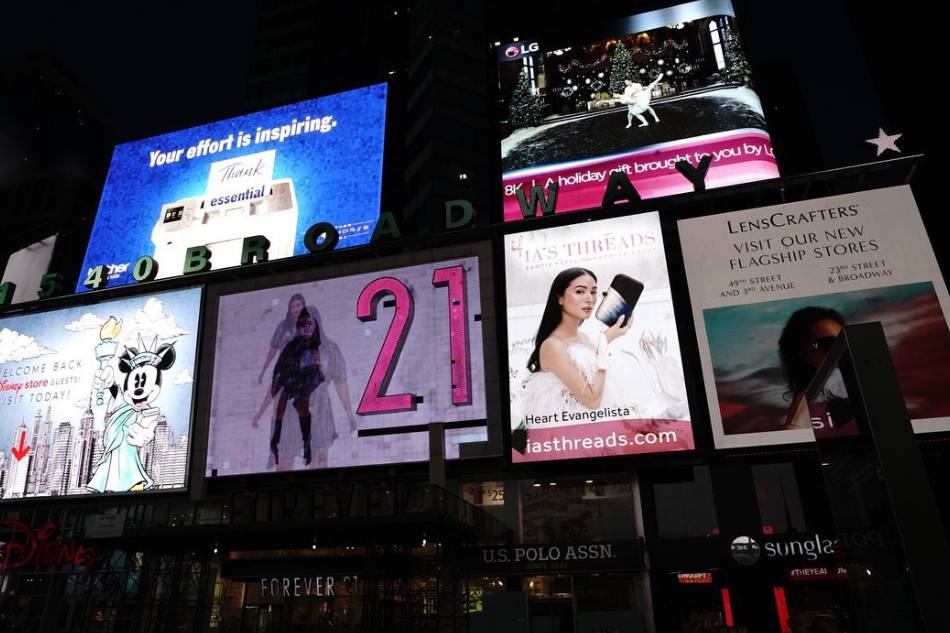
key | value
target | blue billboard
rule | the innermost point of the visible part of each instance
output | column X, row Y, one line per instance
column 273, row 173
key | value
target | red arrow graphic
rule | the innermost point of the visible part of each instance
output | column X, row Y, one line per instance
column 20, row 451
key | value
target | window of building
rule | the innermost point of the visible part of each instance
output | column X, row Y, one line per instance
column 716, row 35
column 685, row 508
column 558, row 511
column 780, row 505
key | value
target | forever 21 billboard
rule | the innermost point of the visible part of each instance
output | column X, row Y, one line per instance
column 348, row 371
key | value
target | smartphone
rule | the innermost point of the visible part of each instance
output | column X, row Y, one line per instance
column 621, row 297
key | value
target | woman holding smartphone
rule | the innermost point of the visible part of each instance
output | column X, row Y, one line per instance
column 568, row 370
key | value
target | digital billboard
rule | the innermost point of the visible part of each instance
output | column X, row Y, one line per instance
column 578, row 387
column 273, row 173
column 651, row 90
column 97, row 399
column 348, row 371
column 771, row 288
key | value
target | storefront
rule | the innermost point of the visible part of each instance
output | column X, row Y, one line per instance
column 593, row 587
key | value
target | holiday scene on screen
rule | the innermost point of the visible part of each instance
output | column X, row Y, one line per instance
column 594, row 358
column 273, row 173
column 658, row 88
column 97, row 399
column 348, row 371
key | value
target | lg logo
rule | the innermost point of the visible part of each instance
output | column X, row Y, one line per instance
column 515, row 50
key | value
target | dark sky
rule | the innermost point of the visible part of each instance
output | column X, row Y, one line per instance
column 153, row 66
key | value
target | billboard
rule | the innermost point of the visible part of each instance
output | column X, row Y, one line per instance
column 584, row 397
column 348, row 371
column 651, row 90
column 274, row 173
column 97, row 399
column 771, row 287
column 26, row 268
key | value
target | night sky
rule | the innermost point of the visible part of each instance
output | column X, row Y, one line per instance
column 153, row 67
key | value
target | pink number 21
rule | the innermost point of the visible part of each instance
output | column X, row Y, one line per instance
column 374, row 399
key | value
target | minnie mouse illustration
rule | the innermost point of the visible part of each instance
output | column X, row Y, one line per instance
column 131, row 420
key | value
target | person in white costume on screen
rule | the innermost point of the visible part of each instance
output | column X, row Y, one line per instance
column 637, row 98
column 568, row 371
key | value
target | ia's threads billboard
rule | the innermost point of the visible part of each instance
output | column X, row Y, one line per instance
column 348, row 371
column 97, row 399
column 772, row 287
column 578, row 387
column 274, row 173
column 653, row 89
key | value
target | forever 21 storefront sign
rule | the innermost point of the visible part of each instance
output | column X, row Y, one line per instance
column 561, row 557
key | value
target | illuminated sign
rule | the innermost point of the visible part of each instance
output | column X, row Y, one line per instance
column 573, row 393
column 661, row 104
column 97, row 398
column 771, row 287
column 534, row 558
column 801, row 574
column 348, row 371
column 699, row 578
column 27, row 548
column 273, row 174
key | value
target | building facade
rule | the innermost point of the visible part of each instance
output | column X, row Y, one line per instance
column 398, row 482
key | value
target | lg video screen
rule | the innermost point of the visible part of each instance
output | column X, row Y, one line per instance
column 653, row 89
column 273, row 173
column 348, row 371
column 97, row 399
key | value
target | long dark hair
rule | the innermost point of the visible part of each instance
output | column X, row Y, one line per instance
column 303, row 306
column 791, row 344
column 551, row 317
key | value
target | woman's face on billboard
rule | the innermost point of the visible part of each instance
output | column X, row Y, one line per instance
column 579, row 298
column 295, row 307
column 821, row 335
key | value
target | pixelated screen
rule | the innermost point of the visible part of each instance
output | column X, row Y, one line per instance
column 635, row 96
column 273, row 173
column 348, row 371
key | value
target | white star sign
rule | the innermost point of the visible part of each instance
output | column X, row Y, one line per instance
column 885, row 141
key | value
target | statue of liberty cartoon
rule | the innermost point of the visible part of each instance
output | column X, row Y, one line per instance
column 130, row 418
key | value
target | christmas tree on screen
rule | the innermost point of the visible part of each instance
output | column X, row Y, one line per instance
column 524, row 110
column 737, row 67
column 621, row 67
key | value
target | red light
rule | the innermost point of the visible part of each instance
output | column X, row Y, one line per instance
column 781, row 606
column 727, row 606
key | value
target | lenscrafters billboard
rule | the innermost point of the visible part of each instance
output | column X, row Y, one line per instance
column 273, row 173
column 576, row 390
column 771, row 288
column 654, row 89
column 337, row 372
column 97, row 399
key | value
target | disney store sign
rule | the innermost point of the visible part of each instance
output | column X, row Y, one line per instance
column 42, row 547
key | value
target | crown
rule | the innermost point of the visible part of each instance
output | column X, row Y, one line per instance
column 149, row 354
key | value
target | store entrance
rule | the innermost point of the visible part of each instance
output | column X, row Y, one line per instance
column 551, row 616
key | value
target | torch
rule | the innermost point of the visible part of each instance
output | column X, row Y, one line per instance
column 106, row 349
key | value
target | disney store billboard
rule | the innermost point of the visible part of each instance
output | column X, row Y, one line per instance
column 97, row 399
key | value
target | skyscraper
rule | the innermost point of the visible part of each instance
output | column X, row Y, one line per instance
column 157, row 450
column 3, row 472
column 174, row 465
column 82, row 453
column 19, row 471
column 59, row 460
column 37, row 478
